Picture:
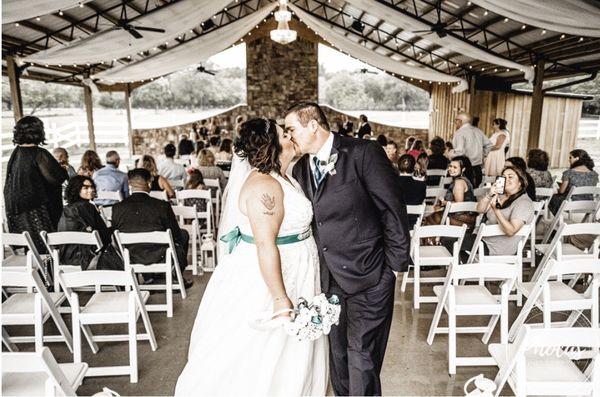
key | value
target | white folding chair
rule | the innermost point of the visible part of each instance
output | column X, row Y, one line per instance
column 188, row 213
column 465, row 206
column 108, row 195
column 553, row 296
column 159, row 194
column 106, row 213
column 32, row 308
column 584, row 190
column 545, row 194
column 119, row 307
column 431, row 255
column 208, row 215
column 585, row 210
column 560, row 249
column 472, row 300
column 38, row 374
column 419, row 211
column 171, row 263
column 478, row 254
column 55, row 240
column 539, row 362
column 215, row 185
column 487, row 180
column 538, row 210
column 437, row 173
column 18, row 262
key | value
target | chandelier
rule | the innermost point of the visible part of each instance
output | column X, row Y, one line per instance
column 283, row 34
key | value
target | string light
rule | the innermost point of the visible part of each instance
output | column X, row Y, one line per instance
column 505, row 20
column 523, row 27
column 17, row 24
column 485, row 13
column 38, row 19
column 60, row 13
column 562, row 36
column 544, row 31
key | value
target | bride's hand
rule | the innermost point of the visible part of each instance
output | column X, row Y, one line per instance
column 283, row 303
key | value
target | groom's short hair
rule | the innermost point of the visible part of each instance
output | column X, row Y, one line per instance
column 307, row 111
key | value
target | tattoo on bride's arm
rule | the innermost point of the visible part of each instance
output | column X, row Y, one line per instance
column 269, row 203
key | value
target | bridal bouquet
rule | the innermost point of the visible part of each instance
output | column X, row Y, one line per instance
column 313, row 319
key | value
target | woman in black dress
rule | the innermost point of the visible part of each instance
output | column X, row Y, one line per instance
column 33, row 187
column 80, row 215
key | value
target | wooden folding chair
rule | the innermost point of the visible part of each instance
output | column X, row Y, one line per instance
column 38, row 374
column 120, row 307
column 472, row 300
column 171, row 264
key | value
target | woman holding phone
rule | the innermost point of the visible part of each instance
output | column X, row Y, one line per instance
column 510, row 208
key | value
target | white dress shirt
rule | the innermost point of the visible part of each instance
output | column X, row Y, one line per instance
column 323, row 153
column 471, row 142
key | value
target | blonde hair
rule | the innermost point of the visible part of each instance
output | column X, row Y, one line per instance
column 149, row 163
column 206, row 158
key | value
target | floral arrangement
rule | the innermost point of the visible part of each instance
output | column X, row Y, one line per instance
column 313, row 319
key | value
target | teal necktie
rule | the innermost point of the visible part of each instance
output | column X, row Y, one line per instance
column 318, row 173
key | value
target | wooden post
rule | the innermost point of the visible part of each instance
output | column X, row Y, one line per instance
column 89, row 105
column 15, row 87
column 537, row 104
column 472, row 93
column 129, row 127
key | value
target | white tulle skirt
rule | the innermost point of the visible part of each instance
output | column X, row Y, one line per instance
column 228, row 357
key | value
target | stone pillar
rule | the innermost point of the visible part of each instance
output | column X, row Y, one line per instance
column 278, row 75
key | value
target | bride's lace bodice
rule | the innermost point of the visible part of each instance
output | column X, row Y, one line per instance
column 298, row 210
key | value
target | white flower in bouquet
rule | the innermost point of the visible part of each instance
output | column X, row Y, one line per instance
column 314, row 319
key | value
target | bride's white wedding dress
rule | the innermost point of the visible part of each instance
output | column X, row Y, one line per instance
column 228, row 357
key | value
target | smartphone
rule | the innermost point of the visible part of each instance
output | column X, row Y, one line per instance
column 500, row 182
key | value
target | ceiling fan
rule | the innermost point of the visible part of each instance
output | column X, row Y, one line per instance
column 441, row 28
column 124, row 24
column 202, row 69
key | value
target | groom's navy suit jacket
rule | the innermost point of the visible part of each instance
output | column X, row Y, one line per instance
column 360, row 222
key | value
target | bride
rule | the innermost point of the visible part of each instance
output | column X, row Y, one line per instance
column 272, row 262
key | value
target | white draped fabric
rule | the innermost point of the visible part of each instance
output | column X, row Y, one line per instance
column 371, row 57
column 190, row 53
column 576, row 17
column 386, row 13
column 176, row 19
column 20, row 10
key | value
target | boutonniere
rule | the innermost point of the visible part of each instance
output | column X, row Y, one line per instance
column 329, row 167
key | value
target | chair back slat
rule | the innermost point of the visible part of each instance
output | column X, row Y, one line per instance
column 418, row 209
column 192, row 193
column 212, row 183
column 96, row 278
column 158, row 237
column 185, row 212
column 14, row 278
column 544, row 192
column 575, row 266
column 440, row 231
column 159, row 194
column 437, row 172
column 108, row 195
column 65, row 238
column 488, row 270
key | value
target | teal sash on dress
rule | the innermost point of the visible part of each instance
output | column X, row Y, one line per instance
column 235, row 236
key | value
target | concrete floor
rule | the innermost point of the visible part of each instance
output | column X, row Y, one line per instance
column 411, row 367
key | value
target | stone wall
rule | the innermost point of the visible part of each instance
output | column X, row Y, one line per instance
column 278, row 76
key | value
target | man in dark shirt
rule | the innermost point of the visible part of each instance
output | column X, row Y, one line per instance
column 186, row 147
column 141, row 213
column 364, row 128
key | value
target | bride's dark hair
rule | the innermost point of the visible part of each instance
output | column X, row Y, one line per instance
column 258, row 142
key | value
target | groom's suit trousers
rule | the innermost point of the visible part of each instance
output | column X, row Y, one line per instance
column 357, row 344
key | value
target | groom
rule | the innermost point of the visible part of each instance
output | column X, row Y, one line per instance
column 360, row 227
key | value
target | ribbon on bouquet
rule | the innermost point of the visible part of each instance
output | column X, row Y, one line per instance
column 235, row 236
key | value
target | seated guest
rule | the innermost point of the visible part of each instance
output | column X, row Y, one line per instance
column 382, row 140
column 414, row 190
column 206, row 165
column 449, row 153
column 80, row 215
column 62, row 156
column 141, row 213
column 185, row 147
column 537, row 167
column 409, row 144
column 580, row 173
column 168, row 168
column 214, row 142
column 460, row 190
column 159, row 183
column 195, row 181
column 417, row 148
column 520, row 163
column 421, row 166
column 225, row 154
column 364, row 128
column 110, row 179
column 90, row 163
column 511, row 211
column 391, row 150
column 436, row 160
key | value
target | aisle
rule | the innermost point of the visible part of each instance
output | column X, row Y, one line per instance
column 411, row 366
